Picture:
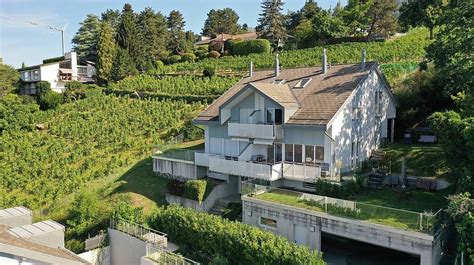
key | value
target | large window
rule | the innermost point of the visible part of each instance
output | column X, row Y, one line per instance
column 274, row 116
column 298, row 153
column 288, row 152
column 378, row 103
column 268, row 222
column 309, row 154
column 278, row 152
column 271, row 154
column 320, row 153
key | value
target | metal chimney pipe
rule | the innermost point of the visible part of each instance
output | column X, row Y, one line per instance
column 362, row 60
column 325, row 62
column 251, row 69
column 277, row 65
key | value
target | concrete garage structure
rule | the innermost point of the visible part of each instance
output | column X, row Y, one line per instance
column 304, row 226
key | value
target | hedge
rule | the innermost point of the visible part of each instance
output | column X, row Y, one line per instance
column 345, row 190
column 195, row 189
column 251, row 46
column 237, row 242
column 188, row 57
column 53, row 60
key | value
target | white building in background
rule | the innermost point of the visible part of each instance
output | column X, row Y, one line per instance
column 57, row 72
column 23, row 242
column 292, row 126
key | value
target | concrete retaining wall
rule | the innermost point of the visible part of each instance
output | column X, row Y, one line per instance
column 289, row 218
column 218, row 192
column 98, row 256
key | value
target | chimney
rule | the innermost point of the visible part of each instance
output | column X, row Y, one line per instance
column 325, row 62
column 362, row 59
column 277, row 65
column 251, row 69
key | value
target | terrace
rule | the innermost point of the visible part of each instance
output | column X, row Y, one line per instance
column 425, row 222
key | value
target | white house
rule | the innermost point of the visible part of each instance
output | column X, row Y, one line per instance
column 292, row 126
column 57, row 73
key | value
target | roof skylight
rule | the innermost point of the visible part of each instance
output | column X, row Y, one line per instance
column 302, row 83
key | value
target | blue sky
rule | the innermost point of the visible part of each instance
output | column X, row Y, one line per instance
column 22, row 42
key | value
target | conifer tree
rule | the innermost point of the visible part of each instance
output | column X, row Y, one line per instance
column 155, row 32
column 271, row 23
column 221, row 21
column 176, row 28
column 85, row 40
column 130, row 38
column 105, row 51
column 122, row 65
column 382, row 18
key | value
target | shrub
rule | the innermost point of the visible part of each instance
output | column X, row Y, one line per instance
column 188, row 57
column 195, row 189
column 229, row 45
column 212, row 235
column 251, row 46
column 50, row 100
column 174, row 59
column 209, row 72
column 43, row 87
column 200, row 54
column 53, row 60
column 175, row 187
column 73, row 90
column 214, row 54
column 344, row 191
column 204, row 47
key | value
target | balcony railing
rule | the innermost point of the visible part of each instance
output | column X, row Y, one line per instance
column 430, row 223
column 139, row 231
column 250, row 169
column 301, row 172
column 255, row 131
column 201, row 159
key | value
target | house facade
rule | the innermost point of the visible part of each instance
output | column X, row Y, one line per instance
column 291, row 127
column 58, row 73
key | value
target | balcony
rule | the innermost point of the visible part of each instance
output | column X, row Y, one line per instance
column 301, row 172
column 201, row 159
column 244, row 168
column 255, row 131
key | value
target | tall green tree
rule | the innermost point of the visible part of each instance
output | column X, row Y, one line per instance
column 122, row 65
column 452, row 50
column 9, row 77
column 130, row 38
column 85, row 40
column 420, row 13
column 355, row 16
column 112, row 17
column 155, row 32
column 176, row 26
column 271, row 23
column 106, row 51
column 383, row 22
column 461, row 210
column 221, row 21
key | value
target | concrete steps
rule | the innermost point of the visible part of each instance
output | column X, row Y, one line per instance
column 375, row 180
column 219, row 207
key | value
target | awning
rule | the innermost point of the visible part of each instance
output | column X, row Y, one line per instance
column 65, row 71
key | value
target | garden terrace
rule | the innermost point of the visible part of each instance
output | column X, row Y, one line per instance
column 396, row 218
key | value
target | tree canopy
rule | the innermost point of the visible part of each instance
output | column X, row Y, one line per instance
column 9, row 77
column 106, row 51
column 271, row 23
column 86, row 38
column 221, row 21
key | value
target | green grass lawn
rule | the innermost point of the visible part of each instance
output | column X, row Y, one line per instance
column 145, row 188
column 366, row 212
column 418, row 201
column 426, row 160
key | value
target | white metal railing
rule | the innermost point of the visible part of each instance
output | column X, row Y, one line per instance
column 139, row 231
column 244, row 168
column 256, row 131
column 301, row 172
column 163, row 256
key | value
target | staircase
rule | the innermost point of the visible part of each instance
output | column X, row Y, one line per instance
column 218, row 207
column 375, row 180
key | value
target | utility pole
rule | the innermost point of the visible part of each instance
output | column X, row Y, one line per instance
column 43, row 25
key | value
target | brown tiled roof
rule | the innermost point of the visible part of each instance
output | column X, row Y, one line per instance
column 281, row 94
column 9, row 239
column 319, row 100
